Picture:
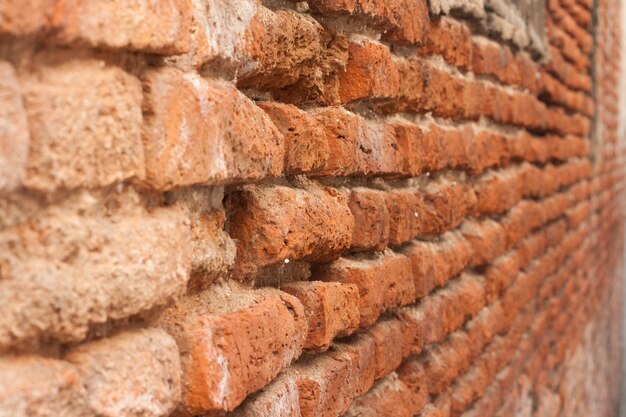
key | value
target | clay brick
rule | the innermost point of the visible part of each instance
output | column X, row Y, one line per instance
column 278, row 399
column 360, row 351
column 162, row 28
column 123, row 264
column 332, row 310
column 230, row 346
column 371, row 220
column 27, row 17
column 384, row 282
column 388, row 397
column 369, row 73
column 103, row 145
column 450, row 39
column 109, row 369
column 392, row 343
column 40, row 387
column 306, row 147
column 487, row 240
column 325, row 384
column 407, row 21
column 198, row 132
column 446, row 203
column 406, row 214
column 14, row 136
column 356, row 145
column 272, row 223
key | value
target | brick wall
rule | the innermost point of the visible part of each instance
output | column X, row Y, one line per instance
column 317, row 208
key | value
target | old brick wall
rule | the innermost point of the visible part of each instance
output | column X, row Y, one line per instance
column 317, row 208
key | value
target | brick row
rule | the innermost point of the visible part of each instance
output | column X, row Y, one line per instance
column 426, row 88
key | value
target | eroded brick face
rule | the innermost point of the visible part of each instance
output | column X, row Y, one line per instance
column 316, row 208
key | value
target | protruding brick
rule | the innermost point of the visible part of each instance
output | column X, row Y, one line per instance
column 275, row 224
column 120, row 265
column 332, row 310
column 200, row 132
column 306, row 147
column 38, row 387
column 231, row 347
column 136, row 373
column 85, row 119
column 371, row 219
column 369, row 74
column 388, row 397
column 162, row 28
column 384, row 282
column 14, row 136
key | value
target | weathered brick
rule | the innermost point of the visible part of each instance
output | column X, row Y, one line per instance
column 371, row 219
column 278, row 399
column 384, row 282
column 276, row 224
column 332, row 310
column 388, row 397
column 36, row 387
column 135, row 373
column 121, row 264
column 26, row 17
column 306, row 147
column 14, row 136
column 99, row 147
column 162, row 28
column 230, row 346
column 199, row 131
column 369, row 73
column 450, row 39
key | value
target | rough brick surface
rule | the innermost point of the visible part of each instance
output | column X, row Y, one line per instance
column 316, row 208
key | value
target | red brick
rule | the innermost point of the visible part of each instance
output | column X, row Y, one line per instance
column 384, row 282
column 103, row 145
column 326, row 385
column 14, row 137
column 360, row 351
column 162, row 28
column 487, row 240
column 231, row 353
column 369, row 73
column 446, row 203
column 405, row 215
column 392, row 343
column 306, row 147
column 450, row 39
column 108, row 371
column 200, row 132
column 332, row 310
column 371, row 220
column 274, row 224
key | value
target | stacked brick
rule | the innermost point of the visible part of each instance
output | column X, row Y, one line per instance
column 316, row 208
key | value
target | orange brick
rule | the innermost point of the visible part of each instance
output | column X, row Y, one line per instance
column 384, row 282
column 230, row 354
column 200, row 132
column 332, row 310
column 451, row 40
column 370, row 73
column 371, row 219
column 274, row 224
column 306, row 147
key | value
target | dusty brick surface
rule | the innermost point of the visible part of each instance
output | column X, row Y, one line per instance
column 310, row 209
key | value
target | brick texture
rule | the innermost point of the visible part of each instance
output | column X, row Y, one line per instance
column 316, row 208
